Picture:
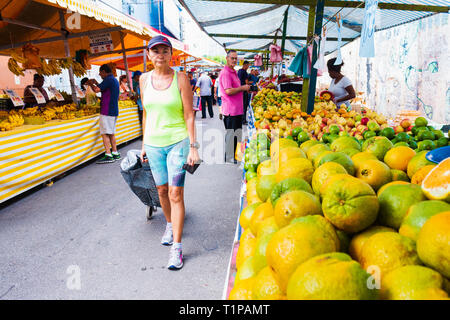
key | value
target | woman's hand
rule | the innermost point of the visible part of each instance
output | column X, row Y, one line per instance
column 193, row 157
column 143, row 156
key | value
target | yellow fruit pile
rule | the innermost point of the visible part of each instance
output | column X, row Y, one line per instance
column 125, row 104
column 344, row 227
column 10, row 120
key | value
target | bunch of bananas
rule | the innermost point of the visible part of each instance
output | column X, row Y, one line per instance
column 15, row 120
column 45, row 69
column 14, row 67
column 49, row 68
column 5, row 125
column 55, row 66
column 30, row 111
column 56, row 109
column 49, row 114
column 66, row 116
column 18, row 57
column 10, row 120
column 65, row 63
column 78, row 69
column 70, row 107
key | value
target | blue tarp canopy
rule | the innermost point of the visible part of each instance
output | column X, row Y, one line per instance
column 247, row 26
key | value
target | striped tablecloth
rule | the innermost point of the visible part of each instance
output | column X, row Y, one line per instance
column 31, row 155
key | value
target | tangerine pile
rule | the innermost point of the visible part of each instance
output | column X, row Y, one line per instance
column 325, row 223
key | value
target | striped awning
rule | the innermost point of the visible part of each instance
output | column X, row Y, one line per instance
column 224, row 20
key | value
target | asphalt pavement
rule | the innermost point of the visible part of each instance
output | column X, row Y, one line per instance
column 87, row 236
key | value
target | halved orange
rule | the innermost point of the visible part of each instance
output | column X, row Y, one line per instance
column 436, row 185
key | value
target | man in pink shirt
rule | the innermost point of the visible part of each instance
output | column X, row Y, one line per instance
column 232, row 103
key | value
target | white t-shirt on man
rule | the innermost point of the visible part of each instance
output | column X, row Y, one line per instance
column 205, row 84
column 339, row 91
column 216, row 85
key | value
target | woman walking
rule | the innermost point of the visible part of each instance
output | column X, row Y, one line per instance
column 169, row 138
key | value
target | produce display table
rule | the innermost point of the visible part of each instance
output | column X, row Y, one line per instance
column 231, row 270
column 31, row 155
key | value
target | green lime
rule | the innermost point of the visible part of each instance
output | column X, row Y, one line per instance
column 249, row 175
column 388, row 133
column 369, row 134
column 326, row 137
column 302, row 137
column 334, row 129
column 296, row 131
column 425, row 135
column 438, row 134
column 426, row 145
column 249, row 166
column 441, row 142
column 412, row 144
column 420, row 122
column 402, row 136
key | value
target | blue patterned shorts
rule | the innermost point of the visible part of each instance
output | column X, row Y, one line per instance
column 167, row 163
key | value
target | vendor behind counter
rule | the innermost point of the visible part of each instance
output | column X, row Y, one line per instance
column 28, row 97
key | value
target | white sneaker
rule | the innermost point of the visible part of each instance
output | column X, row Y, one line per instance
column 176, row 259
column 167, row 239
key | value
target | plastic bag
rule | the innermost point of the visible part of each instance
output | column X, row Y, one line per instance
column 139, row 178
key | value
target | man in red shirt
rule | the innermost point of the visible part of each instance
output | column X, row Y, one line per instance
column 232, row 103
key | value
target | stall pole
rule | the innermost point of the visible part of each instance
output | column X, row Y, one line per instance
column 145, row 57
column 62, row 21
column 313, row 77
column 283, row 39
column 125, row 61
column 305, row 85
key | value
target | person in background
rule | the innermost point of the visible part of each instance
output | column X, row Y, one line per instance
column 205, row 84
column 109, row 111
column 340, row 85
column 125, row 92
column 169, row 139
column 83, row 84
column 243, row 77
column 196, row 102
column 253, row 77
column 192, row 81
column 29, row 98
column 137, row 93
column 232, row 91
column 218, row 96
column 213, row 79
column 91, row 96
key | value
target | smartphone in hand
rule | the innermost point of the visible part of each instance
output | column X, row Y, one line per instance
column 189, row 168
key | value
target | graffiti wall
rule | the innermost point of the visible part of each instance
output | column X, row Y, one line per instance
column 410, row 70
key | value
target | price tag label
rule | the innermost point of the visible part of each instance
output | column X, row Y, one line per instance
column 16, row 100
column 40, row 99
column 80, row 93
column 56, row 93
column 101, row 42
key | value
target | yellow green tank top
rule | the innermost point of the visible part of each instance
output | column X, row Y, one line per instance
column 165, row 123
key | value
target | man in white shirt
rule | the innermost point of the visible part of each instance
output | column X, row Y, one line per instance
column 205, row 84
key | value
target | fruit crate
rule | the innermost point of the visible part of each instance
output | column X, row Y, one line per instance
column 6, row 104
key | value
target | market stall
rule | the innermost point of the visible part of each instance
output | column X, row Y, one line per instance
column 42, row 142
column 321, row 179
column 34, row 154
